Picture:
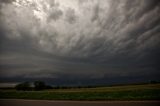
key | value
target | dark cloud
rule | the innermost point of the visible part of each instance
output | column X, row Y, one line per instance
column 6, row 1
column 53, row 12
column 71, row 16
column 96, row 13
column 105, row 41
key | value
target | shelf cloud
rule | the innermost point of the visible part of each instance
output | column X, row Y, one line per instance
column 94, row 41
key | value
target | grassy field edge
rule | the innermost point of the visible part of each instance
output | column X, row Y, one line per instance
column 130, row 92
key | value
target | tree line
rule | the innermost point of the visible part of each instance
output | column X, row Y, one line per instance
column 37, row 85
column 40, row 85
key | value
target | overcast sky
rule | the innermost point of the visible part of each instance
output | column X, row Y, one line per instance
column 80, row 41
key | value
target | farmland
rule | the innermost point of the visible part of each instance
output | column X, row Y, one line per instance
column 125, row 92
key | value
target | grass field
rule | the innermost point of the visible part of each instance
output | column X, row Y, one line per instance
column 127, row 92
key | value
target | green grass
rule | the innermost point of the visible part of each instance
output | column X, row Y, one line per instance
column 130, row 92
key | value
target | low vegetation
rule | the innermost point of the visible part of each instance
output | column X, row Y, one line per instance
column 37, row 85
column 128, row 92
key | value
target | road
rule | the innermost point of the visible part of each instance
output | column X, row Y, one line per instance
column 21, row 102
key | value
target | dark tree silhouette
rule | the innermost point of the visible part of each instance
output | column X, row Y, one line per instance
column 23, row 86
column 39, row 85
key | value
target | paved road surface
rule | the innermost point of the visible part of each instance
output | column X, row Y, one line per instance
column 17, row 102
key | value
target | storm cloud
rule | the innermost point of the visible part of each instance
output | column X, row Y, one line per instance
column 94, row 41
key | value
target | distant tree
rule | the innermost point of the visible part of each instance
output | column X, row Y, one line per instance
column 153, row 82
column 39, row 85
column 23, row 86
column 49, row 87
